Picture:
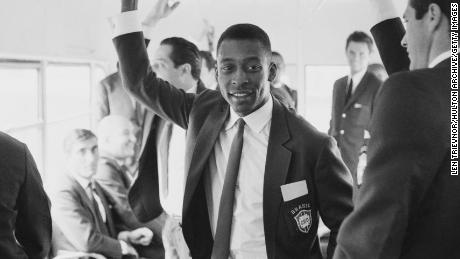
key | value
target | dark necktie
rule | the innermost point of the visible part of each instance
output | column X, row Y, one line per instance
column 221, row 247
column 349, row 91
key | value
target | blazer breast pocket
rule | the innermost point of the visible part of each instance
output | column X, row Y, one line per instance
column 364, row 114
column 298, row 216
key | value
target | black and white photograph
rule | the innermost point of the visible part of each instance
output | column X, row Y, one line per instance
column 229, row 129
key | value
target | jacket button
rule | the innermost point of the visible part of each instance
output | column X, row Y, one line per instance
column 342, row 132
column 344, row 115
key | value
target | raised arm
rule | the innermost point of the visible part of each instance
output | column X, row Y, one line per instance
column 388, row 33
column 137, row 75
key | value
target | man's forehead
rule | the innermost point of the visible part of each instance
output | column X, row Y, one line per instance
column 85, row 144
column 237, row 49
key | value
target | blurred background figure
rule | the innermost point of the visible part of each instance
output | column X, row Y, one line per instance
column 378, row 70
column 25, row 220
column 279, row 89
column 116, row 141
column 352, row 99
column 82, row 218
column 208, row 69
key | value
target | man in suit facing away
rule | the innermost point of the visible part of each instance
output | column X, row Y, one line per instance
column 258, row 175
column 408, row 206
column 352, row 100
column 25, row 220
column 82, row 216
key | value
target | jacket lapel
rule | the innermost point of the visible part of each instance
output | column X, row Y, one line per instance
column 276, row 170
column 360, row 89
column 204, row 145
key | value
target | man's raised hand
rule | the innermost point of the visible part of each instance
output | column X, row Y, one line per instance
column 160, row 10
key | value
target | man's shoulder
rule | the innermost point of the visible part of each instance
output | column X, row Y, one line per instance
column 107, row 168
column 303, row 131
column 9, row 145
column 341, row 81
column 111, row 81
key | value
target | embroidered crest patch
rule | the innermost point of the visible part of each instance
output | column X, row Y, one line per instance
column 304, row 220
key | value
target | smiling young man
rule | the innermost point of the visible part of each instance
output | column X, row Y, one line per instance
column 408, row 205
column 258, row 175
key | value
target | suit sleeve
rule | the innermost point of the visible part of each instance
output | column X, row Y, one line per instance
column 331, row 131
column 402, row 162
column 33, row 223
column 113, row 186
column 334, row 186
column 388, row 35
column 75, row 222
column 161, row 97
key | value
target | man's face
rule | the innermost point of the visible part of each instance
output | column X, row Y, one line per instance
column 164, row 67
column 82, row 158
column 121, row 143
column 417, row 39
column 243, row 71
column 358, row 56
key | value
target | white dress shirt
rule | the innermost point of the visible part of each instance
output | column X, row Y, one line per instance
column 85, row 184
column 173, row 198
column 248, row 236
column 440, row 58
column 356, row 79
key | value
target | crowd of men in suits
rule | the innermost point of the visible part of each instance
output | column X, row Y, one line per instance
column 252, row 177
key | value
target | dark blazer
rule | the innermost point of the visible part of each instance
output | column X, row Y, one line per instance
column 408, row 206
column 76, row 226
column 350, row 120
column 296, row 151
column 25, row 220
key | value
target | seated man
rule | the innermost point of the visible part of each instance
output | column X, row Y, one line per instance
column 81, row 214
column 116, row 141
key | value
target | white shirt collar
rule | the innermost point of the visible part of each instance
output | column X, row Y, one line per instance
column 256, row 120
column 356, row 77
column 82, row 181
column 193, row 89
column 441, row 57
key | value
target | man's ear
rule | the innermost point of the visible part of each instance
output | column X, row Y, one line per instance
column 186, row 69
column 216, row 73
column 273, row 70
column 434, row 16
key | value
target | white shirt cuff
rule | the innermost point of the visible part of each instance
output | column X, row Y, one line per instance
column 383, row 10
column 125, row 23
column 124, row 247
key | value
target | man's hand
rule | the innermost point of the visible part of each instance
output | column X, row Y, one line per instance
column 173, row 240
column 141, row 236
column 127, row 249
column 159, row 11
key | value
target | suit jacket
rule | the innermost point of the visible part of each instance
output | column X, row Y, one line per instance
column 408, row 206
column 296, row 151
column 350, row 120
column 285, row 95
column 76, row 224
column 116, row 184
column 25, row 220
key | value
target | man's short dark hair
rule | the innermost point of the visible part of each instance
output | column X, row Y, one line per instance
column 208, row 59
column 421, row 7
column 246, row 31
column 75, row 136
column 184, row 52
column 359, row 36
